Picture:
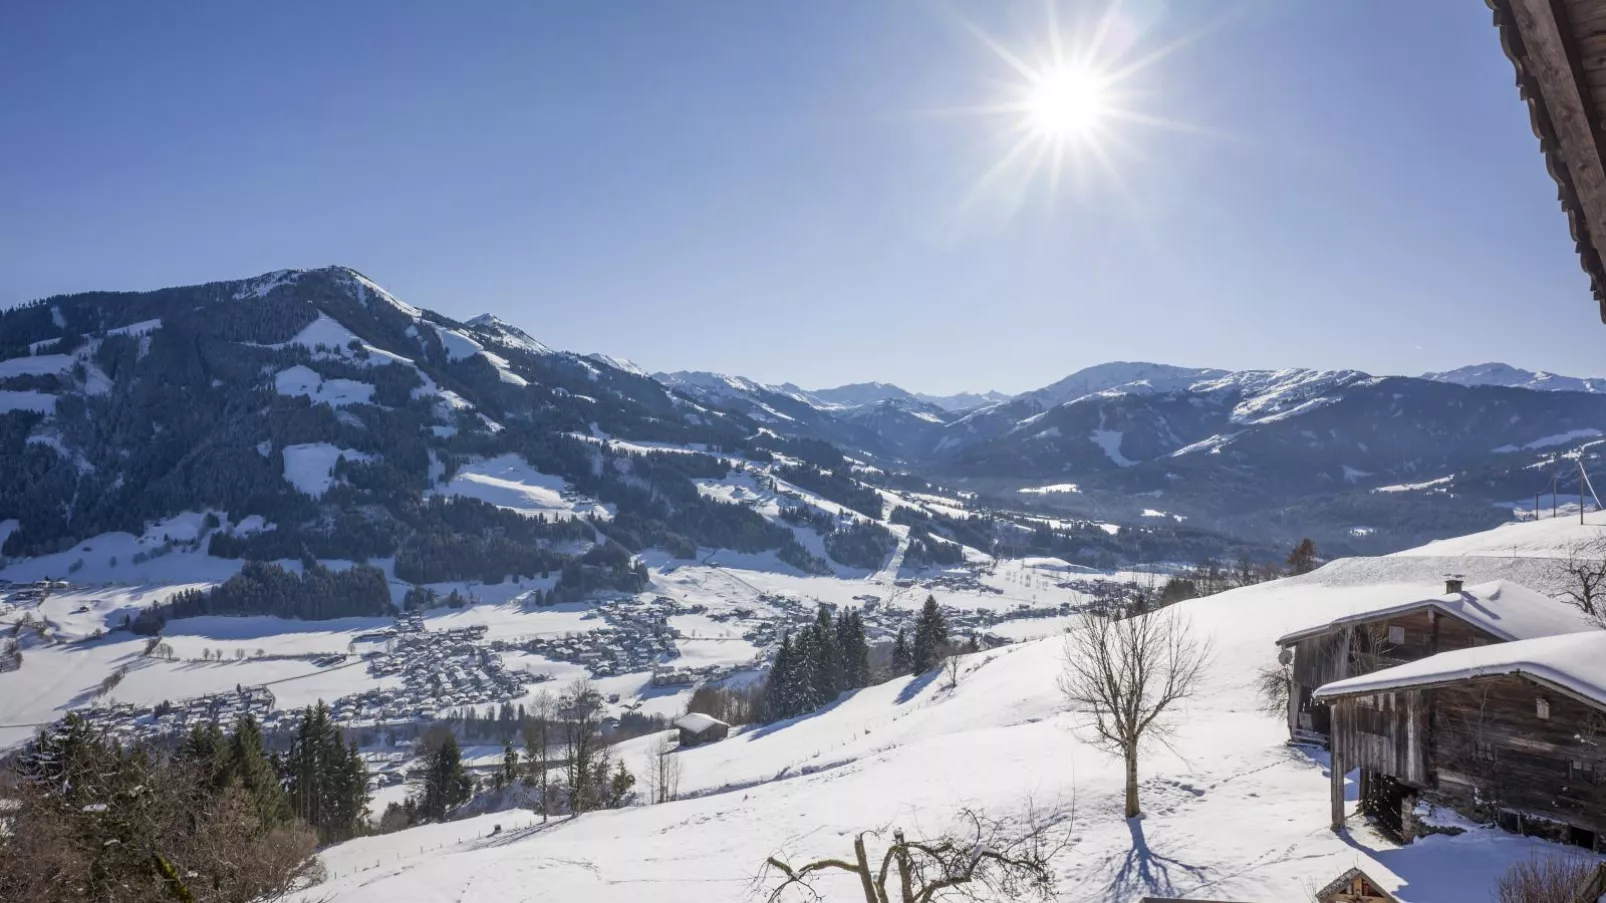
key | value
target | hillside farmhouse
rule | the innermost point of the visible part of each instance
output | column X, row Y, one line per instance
column 1372, row 638
column 1513, row 733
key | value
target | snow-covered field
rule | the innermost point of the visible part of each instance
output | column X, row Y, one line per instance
column 1233, row 812
column 507, row 481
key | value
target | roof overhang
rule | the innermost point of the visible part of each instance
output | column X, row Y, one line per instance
column 1405, row 608
column 1559, row 50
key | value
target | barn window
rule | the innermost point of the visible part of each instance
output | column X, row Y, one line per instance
column 1483, row 750
column 1581, row 771
column 1542, row 707
column 1396, row 634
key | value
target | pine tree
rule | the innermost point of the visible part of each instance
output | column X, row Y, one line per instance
column 325, row 777
column 446, row 784
column 854, row 649
column 805, row 670
column 827, row 683
column 1303, row 559
column 778, row 689
column 510, row 766
column 931, row 638
column 246, row 762
column 902, row 661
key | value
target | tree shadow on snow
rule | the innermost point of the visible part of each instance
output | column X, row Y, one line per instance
column 1154, row 872
column 767, row 729
column 913, row 687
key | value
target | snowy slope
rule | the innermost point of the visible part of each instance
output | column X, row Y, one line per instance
column 1232, row 811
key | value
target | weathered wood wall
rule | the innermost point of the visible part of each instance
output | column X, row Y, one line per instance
column 1387, row 732
column 1492, row 750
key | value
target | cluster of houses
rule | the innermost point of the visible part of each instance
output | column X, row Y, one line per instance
column 440, row 670
column 127, row 723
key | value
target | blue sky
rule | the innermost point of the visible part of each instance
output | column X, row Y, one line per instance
column 790, row 191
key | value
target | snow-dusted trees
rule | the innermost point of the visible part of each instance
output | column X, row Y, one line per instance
column 1127, row 674
column 982, row 859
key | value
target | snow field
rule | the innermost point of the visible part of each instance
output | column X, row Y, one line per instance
column 508, row 481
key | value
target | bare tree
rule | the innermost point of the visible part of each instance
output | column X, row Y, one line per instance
column 537, row 730
column 1553, row 879
column 663, row 770
column 1127, row 674
column 950, row 667
column 1274, row 684
column 982, row 859
column 1583, row 578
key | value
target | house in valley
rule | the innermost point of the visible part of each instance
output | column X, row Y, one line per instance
column 1371, row 638
column 1512, row 733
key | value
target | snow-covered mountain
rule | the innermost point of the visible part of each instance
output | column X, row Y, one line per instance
column 1495, row 374
column 963, row 401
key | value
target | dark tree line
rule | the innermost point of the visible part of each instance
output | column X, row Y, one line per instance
column 316, row 594
column 817, row 664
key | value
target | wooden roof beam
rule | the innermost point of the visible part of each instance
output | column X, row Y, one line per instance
column 1548, row 66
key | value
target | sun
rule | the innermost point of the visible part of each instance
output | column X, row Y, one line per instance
column 1067, row 103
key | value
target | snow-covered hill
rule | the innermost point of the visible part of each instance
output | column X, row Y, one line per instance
column 1232, row 812
column 1495, row 374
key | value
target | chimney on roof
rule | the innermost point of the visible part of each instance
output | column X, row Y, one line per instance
column 1452, row 584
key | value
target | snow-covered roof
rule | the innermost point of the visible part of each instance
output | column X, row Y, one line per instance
column 1574, row 661
column 1505, row 609
column 697, row 722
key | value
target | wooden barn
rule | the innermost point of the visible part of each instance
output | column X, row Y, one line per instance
column 696, row 729
column 1513, row 733
column 1371, row 638
column 1559, row 50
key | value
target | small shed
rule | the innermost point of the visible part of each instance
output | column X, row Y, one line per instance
column 696, row 729
column 1354, row 886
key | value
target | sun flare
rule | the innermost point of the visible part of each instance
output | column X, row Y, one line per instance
column 1067, row 103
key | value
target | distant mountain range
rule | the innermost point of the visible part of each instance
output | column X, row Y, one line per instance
column 118, row 408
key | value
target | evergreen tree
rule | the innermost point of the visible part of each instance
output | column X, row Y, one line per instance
column 246, row 762
column 778, row 689
column 326, row 778
column 446, row 784
column 828, row 661
column 805, row 670
column 855, row 650
column 931, row 638
column 902, row 661
column 510, row 766
column 972, row 645
column 1303, row 559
